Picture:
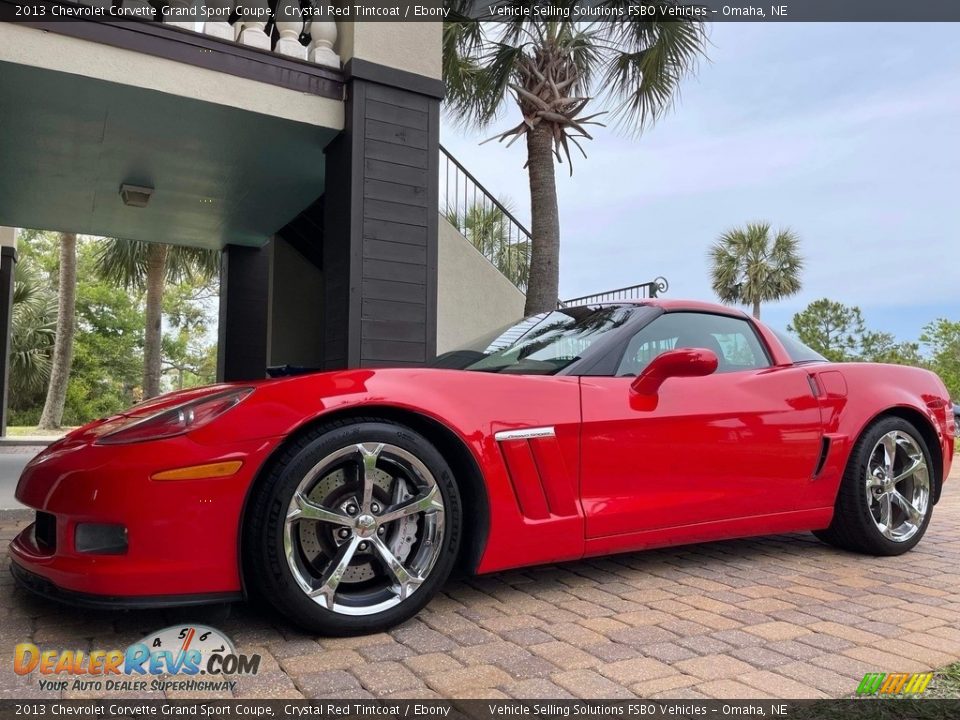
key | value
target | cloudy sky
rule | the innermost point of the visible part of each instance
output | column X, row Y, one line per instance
column 847, row 133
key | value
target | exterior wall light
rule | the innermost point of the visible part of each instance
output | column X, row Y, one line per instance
column 135, row 195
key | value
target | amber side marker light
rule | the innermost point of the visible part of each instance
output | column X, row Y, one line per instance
column 200, row 472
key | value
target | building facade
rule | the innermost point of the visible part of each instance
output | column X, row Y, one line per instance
column 309, row 156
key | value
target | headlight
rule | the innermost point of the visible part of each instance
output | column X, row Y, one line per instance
column 170, row 421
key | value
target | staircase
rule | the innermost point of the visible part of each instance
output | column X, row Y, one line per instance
column 493, row 230
column 484, row 220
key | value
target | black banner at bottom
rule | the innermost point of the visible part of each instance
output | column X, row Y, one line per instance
column 864, row 709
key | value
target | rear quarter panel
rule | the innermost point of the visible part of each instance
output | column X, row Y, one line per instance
column 856, row 394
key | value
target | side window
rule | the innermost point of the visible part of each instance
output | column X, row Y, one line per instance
column 732, row 339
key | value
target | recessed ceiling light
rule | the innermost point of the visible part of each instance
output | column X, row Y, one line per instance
column 135, row 195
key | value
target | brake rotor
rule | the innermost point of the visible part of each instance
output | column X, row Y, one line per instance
column 319, row 541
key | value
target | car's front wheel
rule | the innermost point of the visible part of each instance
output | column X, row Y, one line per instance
column 354, row 529
column 885, row 498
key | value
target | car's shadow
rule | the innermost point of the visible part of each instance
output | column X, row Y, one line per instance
column 732, row 562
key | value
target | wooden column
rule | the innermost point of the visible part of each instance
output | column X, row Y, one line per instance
column 380, row 221
column 244, row 313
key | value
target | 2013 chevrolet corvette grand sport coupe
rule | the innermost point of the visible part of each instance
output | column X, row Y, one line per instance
column 346, row 498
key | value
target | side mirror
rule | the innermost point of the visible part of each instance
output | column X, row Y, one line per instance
column 686, row 362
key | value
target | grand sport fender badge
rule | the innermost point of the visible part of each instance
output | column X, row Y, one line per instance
column 525, row 434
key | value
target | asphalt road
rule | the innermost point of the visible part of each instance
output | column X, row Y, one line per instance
column 12, row 460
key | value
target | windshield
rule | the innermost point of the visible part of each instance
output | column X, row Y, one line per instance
column 541, row 344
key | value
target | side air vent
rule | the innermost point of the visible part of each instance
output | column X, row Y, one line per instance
column 824, row 452
column 541, row 482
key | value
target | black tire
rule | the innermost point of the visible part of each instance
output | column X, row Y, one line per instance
column 853, row 526
column 267, row 571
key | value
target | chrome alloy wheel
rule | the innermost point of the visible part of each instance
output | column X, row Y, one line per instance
column 898, row 486
column 364, row 528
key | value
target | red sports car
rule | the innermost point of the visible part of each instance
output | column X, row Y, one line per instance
column 346, row 498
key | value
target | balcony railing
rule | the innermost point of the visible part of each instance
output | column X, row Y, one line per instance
column 484, row 220
column 262, row 24
column 632, row 292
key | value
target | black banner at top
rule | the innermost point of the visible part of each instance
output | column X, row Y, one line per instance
column 496, row 10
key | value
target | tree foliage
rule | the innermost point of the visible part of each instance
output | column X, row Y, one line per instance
column 61, row 361
column 942, row 339
column 839, row 333
column 106, row 372
column 748, row 267
column 556, row 74
column 33, row 327
column 831, row 328
column 487, row 229
column 553, row 70
column 150, row 267
column 126, row 262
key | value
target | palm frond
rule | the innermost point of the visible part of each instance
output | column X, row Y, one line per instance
column 124, row 262
column 488, row 230
column 193, row 264
column 632, row 68
column 643, row 74
column 32, row 333
column 747, row 267
column 476, row 70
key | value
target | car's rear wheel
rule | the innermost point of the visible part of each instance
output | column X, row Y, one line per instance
column 354, row 529
column 885, row 499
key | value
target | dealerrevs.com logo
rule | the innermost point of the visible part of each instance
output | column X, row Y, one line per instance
column 199, row 658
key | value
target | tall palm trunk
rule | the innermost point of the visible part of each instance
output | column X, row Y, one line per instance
column 543, row 285
column 156, row 280
column 52, row 414
column 756, row 308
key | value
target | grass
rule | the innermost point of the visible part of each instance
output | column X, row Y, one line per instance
column 946, row 682
column 945, row 686
column 15, row 431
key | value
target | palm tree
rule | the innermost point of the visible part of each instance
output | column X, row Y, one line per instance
column 552, row 71
column 748, row 268
column 32, row 334
column 66, row 327
column 488, row 230
column 138, row 265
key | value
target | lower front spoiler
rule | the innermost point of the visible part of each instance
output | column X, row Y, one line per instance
column 46, row 589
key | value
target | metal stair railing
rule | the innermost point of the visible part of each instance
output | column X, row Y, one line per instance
column 484, row 220
column 650, row 289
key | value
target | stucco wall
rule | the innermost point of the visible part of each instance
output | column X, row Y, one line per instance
column 8, row 236
column 296, row 296
column 39, row 48
column 473, row 296
column 411, row 46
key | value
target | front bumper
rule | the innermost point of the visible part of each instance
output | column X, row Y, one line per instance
column 182, row 536
column 39, row 585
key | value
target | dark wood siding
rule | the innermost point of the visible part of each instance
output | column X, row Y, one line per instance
column 336, row 254
column 244, row 307
column 380, row 244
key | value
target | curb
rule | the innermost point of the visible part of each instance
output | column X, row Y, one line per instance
column 26, row 441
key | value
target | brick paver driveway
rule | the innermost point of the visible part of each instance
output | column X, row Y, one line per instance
column 781, row 616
